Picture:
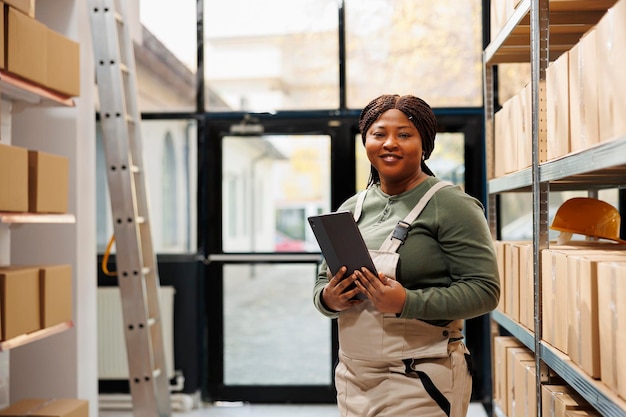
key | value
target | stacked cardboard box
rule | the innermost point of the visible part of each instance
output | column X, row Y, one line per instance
column 33, row 181
column 36, row 53
column 33, row 298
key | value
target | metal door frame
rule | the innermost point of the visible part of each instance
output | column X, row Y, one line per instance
column 342, row 128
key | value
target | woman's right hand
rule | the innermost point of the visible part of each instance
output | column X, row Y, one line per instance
column 336, row 295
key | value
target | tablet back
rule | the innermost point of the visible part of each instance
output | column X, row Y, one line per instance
column 341, row 241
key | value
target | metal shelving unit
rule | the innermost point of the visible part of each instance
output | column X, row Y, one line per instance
column 538, row 32
column 23, row 94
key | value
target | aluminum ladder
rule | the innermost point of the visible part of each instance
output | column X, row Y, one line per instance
column 137, row 271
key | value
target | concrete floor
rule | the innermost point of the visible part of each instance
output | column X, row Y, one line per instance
column 258, row 410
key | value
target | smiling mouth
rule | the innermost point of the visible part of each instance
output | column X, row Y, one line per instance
column 390, row 157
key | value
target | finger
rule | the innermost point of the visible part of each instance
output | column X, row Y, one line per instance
column 346, row 282
column 362, row 288
column 339, row 275
column 368, row 285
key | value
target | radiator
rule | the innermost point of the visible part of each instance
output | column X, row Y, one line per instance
column 112, row 359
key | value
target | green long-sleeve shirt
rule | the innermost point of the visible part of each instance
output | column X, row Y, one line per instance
column 447, row 263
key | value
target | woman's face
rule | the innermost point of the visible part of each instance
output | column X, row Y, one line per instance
column 394, row 147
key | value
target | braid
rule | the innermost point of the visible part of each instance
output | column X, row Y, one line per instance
column 418, row 112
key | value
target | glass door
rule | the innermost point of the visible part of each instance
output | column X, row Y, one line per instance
column 267, row 342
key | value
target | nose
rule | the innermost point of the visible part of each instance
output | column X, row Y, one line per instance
column 390, row 141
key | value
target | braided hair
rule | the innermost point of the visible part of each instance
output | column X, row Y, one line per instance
column 418, row 112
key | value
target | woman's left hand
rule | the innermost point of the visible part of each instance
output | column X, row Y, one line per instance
column 387, row 294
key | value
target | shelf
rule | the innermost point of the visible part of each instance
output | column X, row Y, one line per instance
column 569, row 20
column 17, row 89
column 602, row 166
column 593, row 391
column 34, row 336
column 517, row 181
column 517, row 330
column 24, row 218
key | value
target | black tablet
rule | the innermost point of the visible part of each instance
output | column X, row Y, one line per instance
column 341, row 242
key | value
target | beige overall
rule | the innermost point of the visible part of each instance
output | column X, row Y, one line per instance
column 390, row 366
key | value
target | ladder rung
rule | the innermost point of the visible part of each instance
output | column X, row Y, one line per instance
column 134, row 169
column 118, row 17
column 145, row 270
column 156, row 373
column 151, row 321
column 140, row 220
column 124, row 68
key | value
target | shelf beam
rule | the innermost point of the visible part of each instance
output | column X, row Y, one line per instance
column 599, row 167
column 19, row 90
column 33, row 218
column 591, row 390
column 34, row 336
column 521, row 333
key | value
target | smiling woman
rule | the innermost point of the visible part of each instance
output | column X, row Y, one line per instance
column 406, row 337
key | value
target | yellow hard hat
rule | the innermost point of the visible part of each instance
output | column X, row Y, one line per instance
column 590, row 217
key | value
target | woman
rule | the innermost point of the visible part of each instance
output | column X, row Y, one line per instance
column 401, row 351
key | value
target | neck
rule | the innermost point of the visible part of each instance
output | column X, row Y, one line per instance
column 401, row 187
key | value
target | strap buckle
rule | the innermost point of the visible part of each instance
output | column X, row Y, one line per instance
column 401, row 231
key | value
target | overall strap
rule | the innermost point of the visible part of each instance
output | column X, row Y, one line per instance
column 359, row 205
column 398, row 235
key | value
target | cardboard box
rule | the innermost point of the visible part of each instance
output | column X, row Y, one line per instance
column 526, row 386
column 13, row 178
column 515, row 393
column 499, row 247
column 48, row 407
column 582, row 300
column 19, row 298
column 26, row 47
column 558, row 399
column 55, row 294
column 501, row 136
column 612, row 318
column 554, row 287
column 500, row 346
column 611, row 32
column 25, row 6
column 524, row 134
column 526, row 286
column 511, row 277
column 553, row 300
column 557, row 112
column 524, row 379
column 583, row 78
column 63, row 64
column 48, row 185
column 510, row 139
